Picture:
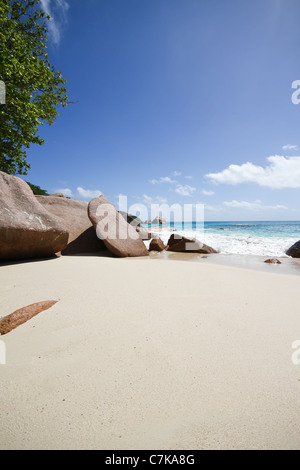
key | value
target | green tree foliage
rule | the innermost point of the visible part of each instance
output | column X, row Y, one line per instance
column 34, row 88
column 37, row 189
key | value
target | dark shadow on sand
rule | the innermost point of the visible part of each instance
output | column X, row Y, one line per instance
column 27, row 260
column 85, row 244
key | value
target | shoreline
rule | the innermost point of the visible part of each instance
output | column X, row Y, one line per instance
column 289, row 266
column 148, row 354
column 270, row 239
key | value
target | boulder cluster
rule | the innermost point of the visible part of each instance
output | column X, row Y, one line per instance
column 42, row 226
column 294, row 251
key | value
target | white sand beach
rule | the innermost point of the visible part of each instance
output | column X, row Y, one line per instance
column 150, row 354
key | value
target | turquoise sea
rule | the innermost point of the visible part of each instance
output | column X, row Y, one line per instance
column 253, row 238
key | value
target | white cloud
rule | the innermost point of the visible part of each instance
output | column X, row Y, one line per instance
column 81, row 192
column 163, row 179
column 209, row 208
column 176, row 173
column 188, row 177
column 88, row 193
column 148, row 200
column 207, row 192
column 282, row 172
column 57, row 10
column 290, row 147
column 66, row 191
column 184, row 190
column 253, row 206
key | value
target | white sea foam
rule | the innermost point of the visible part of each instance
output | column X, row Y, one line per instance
column 235, row 243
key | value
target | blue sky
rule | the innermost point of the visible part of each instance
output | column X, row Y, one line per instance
column 178, row 102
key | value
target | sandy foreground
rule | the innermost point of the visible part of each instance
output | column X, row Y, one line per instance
column 150, row 354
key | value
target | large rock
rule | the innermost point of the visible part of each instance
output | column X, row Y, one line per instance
column 27, row 230
column 144, row 233
column 182, row 244
column 131, row 219
column 82, row 236
column 136, row 222
column 120, row 238
column 159, row 220
column 294, row 251
column 59, row 195
column 156, row 245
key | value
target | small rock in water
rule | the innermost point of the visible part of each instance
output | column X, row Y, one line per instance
column 183, row 244
column 273, row 261
column 156, row 245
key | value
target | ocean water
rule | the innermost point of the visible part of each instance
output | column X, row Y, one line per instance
column 242, row 238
